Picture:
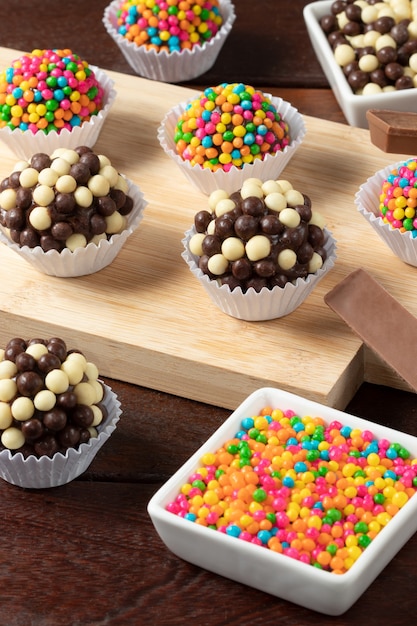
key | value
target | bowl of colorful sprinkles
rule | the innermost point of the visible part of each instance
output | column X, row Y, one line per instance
column 51, row 99
column 260, row 251
column 388, row 201
column 172, row 41
column 229, row 133
column 297, row 499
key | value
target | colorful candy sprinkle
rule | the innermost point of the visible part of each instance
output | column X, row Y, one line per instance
column 398, row 199
column 318, row 493
column 169, row 25
column 48, row 90
column 230, row 125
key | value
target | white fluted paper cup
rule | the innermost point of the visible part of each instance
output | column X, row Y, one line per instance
column 25, row 143
column 170, row 67
column 82, row 261
column 402, row 244
column 44, row 472
column 267, row 304
column 268, row 168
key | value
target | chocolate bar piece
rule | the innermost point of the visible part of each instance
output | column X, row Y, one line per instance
column 382, row 323
column 393, row 131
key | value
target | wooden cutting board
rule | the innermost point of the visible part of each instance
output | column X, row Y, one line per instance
column 145, row 319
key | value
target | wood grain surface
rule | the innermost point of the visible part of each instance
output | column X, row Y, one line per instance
column 146, row 307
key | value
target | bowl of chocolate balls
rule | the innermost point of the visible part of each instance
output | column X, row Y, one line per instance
column 368, row 52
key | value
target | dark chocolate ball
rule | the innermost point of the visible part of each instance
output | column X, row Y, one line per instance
column 201, row 220
column 69, row 436
column 119, row 198
column 40, row 161
column 55, row 419
column 211, row 245
column 65, row 203
column 66, row 400
column 224, row 227
column 253, row 206
column 48, row 362
column 80, row 172
column 246, row 226
column 25, row 362
column 15, row 218
column 384, row 24
column 48, row 242
column 61, row 230
column 57, row 347
column 242, row 269
column 29, row 237
column 106, row 206
column 271, row 225
column 265, row 268
column 46, row 446
column 29, row 383
column 82, row 415
column 92, row 161
column 23, row 198
column 32, row 429
column 387, row 54
column 98, row 224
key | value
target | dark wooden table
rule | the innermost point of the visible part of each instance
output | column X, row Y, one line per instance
column 87, row 553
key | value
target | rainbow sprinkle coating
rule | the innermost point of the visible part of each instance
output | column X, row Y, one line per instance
column 398, row 198
column 169, row 25
column 314, row 491
column 48, row 90
column 230, row 125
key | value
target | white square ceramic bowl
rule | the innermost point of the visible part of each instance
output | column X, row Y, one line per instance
column 353, row 106
column 259, row 567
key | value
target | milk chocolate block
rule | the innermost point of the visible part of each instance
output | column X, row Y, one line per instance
column 370, row 311
column 393, row 131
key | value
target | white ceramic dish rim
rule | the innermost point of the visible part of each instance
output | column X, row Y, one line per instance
column 376, row 556
column 354, row 106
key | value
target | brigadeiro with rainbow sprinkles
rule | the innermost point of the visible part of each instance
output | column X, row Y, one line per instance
column 229, row 133
column 52, row 98
column 169, row 40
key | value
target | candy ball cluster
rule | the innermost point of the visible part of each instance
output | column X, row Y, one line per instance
column 263, row 236
column 48, row 90
column 50, row 397
column 314, row 491
column 398, row 199
column 65, row 200
column 230, row 125
column 169, row 25
column 375, row 43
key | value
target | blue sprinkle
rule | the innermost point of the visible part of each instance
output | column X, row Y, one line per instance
column 233, row 531
column 248, row 423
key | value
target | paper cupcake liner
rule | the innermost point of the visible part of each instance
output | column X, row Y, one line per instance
column 82, row 261
column 267, row 304
column 269, row 168
column 44, row 472
column 25, row 143
column 173, row 67
column 403, row 245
